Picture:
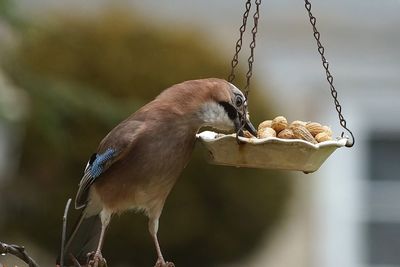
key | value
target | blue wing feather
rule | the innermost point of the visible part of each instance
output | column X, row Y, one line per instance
column 97, row 164
column 97, row 167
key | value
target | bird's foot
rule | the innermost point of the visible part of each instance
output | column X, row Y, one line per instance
column 162, row 263
column 95, row 259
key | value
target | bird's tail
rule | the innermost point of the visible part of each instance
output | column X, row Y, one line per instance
column 83, row 239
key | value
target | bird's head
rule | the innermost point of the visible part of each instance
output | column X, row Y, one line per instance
column 225, row 108
column 213, row 103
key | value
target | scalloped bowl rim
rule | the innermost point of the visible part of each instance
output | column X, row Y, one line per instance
column 210, row 136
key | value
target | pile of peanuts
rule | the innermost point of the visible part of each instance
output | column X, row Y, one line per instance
column 312, row 132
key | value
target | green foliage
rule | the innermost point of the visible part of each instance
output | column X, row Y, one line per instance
column 8, row 14
column 85, row 75
column 4, row 7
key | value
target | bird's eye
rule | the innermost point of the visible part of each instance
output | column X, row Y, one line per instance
column 238, row 101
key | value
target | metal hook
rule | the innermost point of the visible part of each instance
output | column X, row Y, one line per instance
column 350, row 141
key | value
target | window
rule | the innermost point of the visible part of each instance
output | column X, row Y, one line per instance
column 383, row 222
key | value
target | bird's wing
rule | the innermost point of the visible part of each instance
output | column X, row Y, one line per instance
column 113, row 147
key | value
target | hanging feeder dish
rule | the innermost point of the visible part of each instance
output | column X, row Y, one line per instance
column 267, row 153
column 272, row 152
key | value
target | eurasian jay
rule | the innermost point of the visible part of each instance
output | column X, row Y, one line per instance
column 138, row 162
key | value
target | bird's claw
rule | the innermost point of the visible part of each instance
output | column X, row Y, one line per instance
column 95, row 259
column 161, row 263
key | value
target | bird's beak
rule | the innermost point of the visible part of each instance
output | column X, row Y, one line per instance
column 247, row 126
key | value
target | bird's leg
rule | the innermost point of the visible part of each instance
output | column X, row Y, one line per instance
column 98, row 260
column 153, row 229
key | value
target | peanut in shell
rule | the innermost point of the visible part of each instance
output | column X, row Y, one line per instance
column 279, row 123
column 322, row 137
column 265, row 124
column 266, row 132
column 286, row 134
column 314, row 128
column 301, row 132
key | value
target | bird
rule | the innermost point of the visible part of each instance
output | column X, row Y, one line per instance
column 138, row 162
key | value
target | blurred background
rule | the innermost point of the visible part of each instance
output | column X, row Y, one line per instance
column 71, row 70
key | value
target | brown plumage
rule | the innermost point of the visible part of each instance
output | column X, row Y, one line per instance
column 139, row 161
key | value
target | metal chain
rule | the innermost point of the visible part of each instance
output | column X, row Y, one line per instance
column 249, row 73
column 239, row 42
column 250, row 60
column 329, row 76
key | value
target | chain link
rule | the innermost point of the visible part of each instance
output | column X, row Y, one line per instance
column 239, row 43
column 249, row 73
column 329, row 77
